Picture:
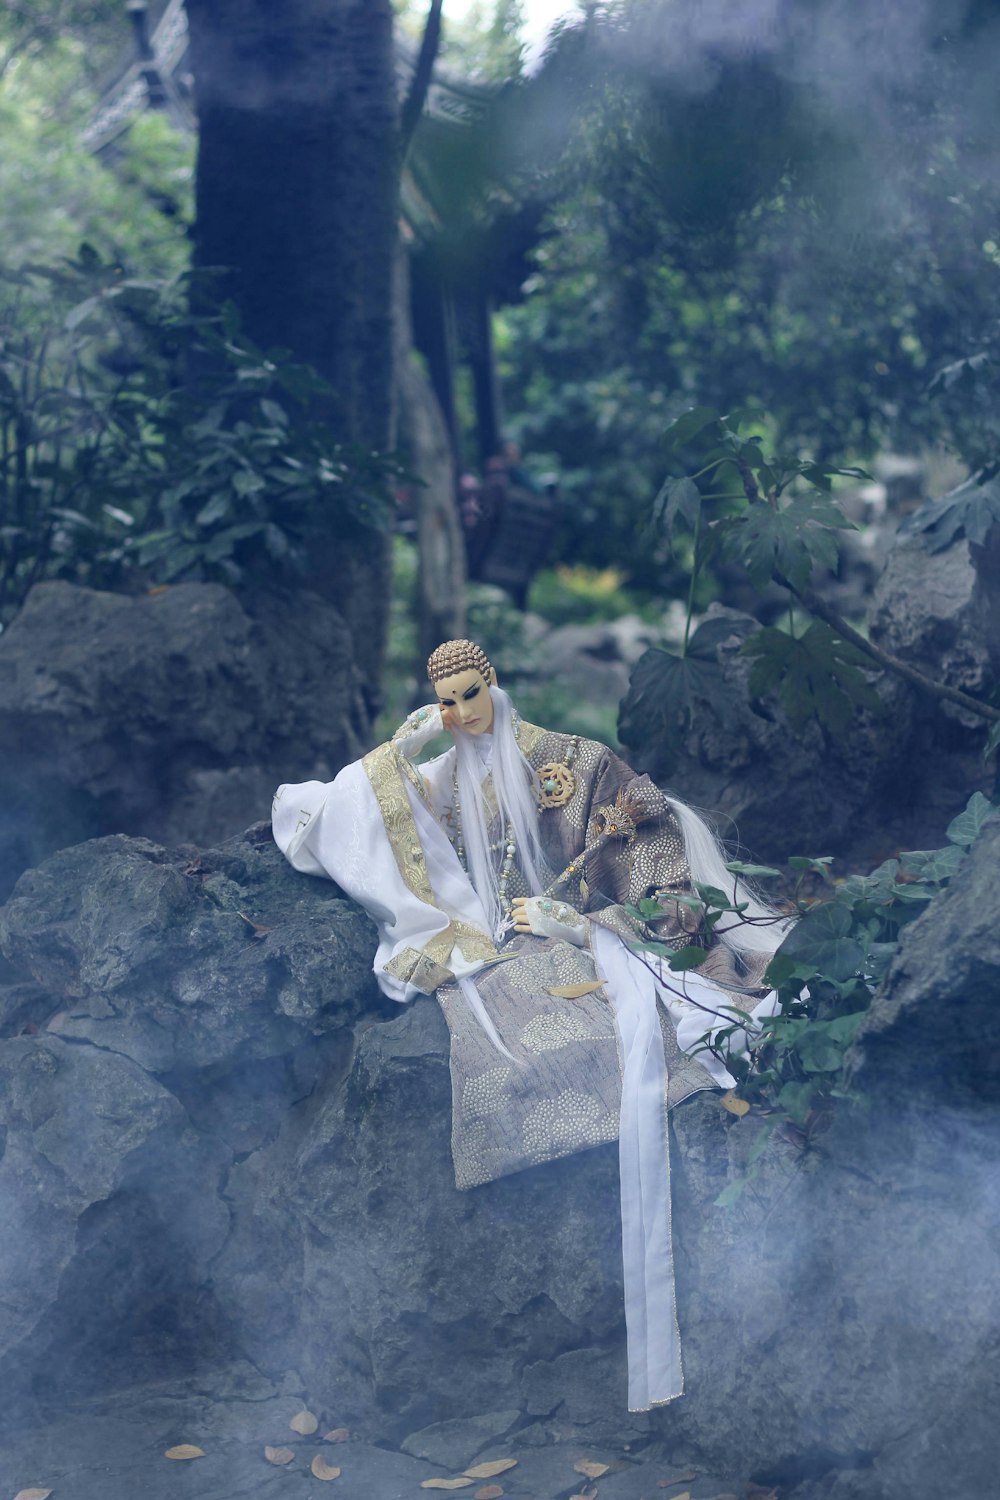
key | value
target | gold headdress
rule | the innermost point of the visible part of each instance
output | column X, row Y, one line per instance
column 458, row 656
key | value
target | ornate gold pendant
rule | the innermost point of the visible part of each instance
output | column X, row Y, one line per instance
column 556, row 784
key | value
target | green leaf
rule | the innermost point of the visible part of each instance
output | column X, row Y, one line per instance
column 965, row 828
column 992, row 740
column 796, row 1099
column 818, row 863
column 824, row 940
column 752, row 872
column 817, row 675
column 667, row 691
column 688, row 958
column 786, row 542
column 274, row 413
column 689, row 424
column 82, row 311
column 217, row 506
column 971, row 510
column 246, row 482
column 679, row 497
column 935, row 865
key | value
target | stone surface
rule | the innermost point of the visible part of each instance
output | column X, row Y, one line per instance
column 226, row 1166
column 172, row 714
column 940, row 612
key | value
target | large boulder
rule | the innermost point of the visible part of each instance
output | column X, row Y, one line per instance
column 223, row 1146
column 171, row 714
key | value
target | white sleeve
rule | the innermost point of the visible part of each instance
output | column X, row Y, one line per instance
column 417, row 728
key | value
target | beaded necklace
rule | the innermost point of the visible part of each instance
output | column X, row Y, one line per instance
column 509, row 848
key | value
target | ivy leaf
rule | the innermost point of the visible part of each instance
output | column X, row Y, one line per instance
column 796, row 1098
column 965, row 828
column 823, row 939
column 817, row 675
column 992, row 741
column 971, row 511
column 688, row 958
column 752, row 872
column 934, row 865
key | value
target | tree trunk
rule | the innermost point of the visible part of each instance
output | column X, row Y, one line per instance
column 426, row 443
column 297, row 200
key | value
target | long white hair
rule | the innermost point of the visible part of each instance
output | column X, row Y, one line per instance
column 515, row 785
column 761, row 927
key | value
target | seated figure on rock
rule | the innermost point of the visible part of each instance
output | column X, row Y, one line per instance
column 505, row 876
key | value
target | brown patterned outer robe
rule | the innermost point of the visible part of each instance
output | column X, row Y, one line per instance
column 566, row 1095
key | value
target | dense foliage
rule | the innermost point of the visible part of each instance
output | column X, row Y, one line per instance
column 804, row 217
column 826, row 972
column 144, row 441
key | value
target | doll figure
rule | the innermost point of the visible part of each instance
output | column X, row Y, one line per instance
column 504, row 876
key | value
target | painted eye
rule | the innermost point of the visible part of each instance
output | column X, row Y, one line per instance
column 471, row 693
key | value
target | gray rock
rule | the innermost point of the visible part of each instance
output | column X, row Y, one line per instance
column 455, row 1444
column 171, row 715
column 253, row 1165
column 940, row 612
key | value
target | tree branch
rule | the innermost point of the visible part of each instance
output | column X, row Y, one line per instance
column 417, row 96
column 817, row 606
column 824, row 611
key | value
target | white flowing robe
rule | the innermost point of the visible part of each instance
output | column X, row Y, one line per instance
column 337, row 829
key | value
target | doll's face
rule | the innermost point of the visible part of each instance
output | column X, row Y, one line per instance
column 465, row 698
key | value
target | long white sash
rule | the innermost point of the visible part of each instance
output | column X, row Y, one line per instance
column 655, row 1375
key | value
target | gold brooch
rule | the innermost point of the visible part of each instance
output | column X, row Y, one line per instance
column 556, row 784
column 621, row 818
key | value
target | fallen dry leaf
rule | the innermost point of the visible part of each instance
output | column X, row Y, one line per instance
column 304, row 1422
column 185, row 1450
column 592, row 1470
column 322, row 1470
column 585, row 1495
column 760, row 1492
column 279, row 1455
column 734, row 1104
column 32, row 1495
column 489, row 1492
column 259, row 931
column 158, row 588
column 337, row 1435
column 488, row 1470
column 575, row 991
column 728, row 1495
column 664, row 1484
column 444, row 1484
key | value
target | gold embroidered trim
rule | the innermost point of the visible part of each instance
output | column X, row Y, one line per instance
column 411, row 966
column 528, row 735
column 385, row 767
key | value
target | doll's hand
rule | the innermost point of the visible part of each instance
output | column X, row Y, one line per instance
column 547, row 918
column 417, row 728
